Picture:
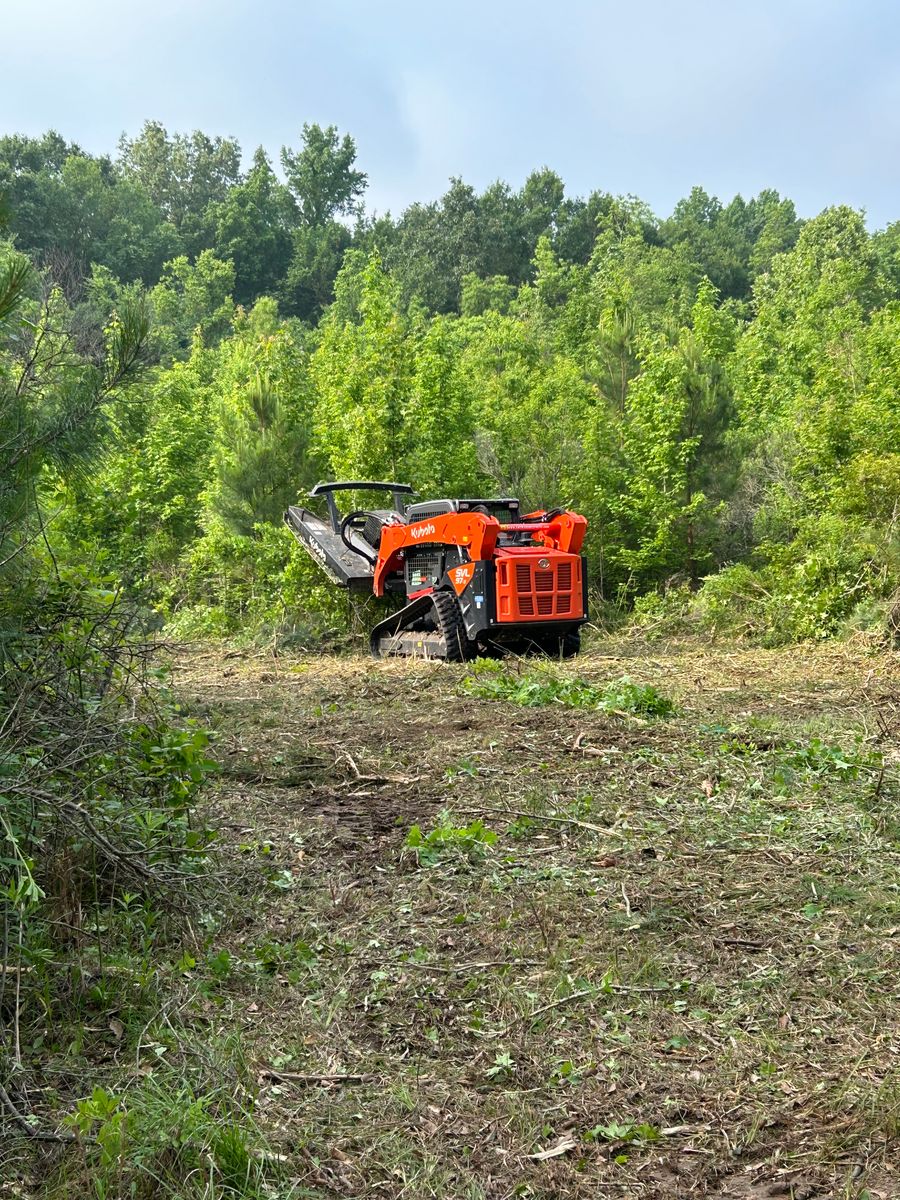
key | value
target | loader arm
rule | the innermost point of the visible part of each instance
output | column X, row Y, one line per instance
column 477, row 534
column 474, row 532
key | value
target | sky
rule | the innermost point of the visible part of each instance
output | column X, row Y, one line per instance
column 647, row 98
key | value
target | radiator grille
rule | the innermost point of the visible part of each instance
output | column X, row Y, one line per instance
column 420, row 512
column 526, row 591
column 372, row 530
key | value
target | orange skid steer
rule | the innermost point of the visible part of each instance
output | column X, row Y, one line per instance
column 476, row 575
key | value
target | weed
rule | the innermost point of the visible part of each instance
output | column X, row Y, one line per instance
column 295, row 958
column 636, row 699
column 490, row 680
column 818, row 758
column 466, row 767
column 627, row 1131
column 169, row 1135
column 467, row 841
column 566, row 1073
column 522, row 827
column 220, row 964
column 503, row 1067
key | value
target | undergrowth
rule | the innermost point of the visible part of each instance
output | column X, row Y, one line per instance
column 489, row 679
column 103, row 859
column 466, row 841
column 171, row 1136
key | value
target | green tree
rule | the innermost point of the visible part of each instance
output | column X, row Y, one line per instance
column 437, row 245
column 316, row 257
column 676, row 413
column 440, row 416
column 322, row 176
column 109, row 220
column 531, row 409
column 252, row 230
column 261, row 458
column 363, row 376
column 30, row 185
column 478, row 296
column 54, row 406
column 193, row 298
column 184, row 175
column 72, row 210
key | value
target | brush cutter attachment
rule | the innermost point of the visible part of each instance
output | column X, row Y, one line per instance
column 346, row 547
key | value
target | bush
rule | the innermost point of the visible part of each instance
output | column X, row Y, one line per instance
column 100, row 773
column 833, row 576
column 807, row 589
column 230, row 585
column 666, row 613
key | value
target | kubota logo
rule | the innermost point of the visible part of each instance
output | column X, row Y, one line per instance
column 420, row 531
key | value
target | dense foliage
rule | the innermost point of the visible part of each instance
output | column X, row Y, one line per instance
column 716, row 391
column 97, row 768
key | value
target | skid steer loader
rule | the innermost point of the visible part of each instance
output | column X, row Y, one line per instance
column 476, row 575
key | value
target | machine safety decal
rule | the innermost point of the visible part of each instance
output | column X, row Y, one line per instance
column 461, row 577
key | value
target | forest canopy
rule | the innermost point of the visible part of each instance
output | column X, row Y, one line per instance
column 717, row 389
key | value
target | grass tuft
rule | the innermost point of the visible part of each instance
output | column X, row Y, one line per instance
column 538, row 686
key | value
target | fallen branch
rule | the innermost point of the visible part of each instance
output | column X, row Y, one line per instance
column 562, row 1147
column 514, row 812
column 405, row 779
column 592, row 751
column 316, row 1080
column 465, row 968
column 37, row 1135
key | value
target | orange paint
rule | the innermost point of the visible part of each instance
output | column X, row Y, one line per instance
column 461, row 577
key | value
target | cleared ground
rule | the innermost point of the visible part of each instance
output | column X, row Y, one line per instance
column 673, row 973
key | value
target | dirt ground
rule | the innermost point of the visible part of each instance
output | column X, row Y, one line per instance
column 673, row 973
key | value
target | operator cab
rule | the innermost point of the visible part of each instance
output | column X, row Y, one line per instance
column 505, row 510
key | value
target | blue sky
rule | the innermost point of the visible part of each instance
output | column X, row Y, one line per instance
column 647, row 98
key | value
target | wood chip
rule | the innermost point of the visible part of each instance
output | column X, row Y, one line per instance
column 562, row 1147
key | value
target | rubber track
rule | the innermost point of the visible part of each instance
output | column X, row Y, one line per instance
column 450, row 623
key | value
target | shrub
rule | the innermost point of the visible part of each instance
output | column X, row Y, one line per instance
column 231, row 585
column 99, row 773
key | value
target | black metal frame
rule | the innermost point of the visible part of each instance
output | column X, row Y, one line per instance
column 360, row 485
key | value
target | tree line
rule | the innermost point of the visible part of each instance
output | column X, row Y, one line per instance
column 715, row 390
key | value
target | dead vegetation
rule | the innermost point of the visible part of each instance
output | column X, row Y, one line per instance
column 624, row 956
column 673, row 972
